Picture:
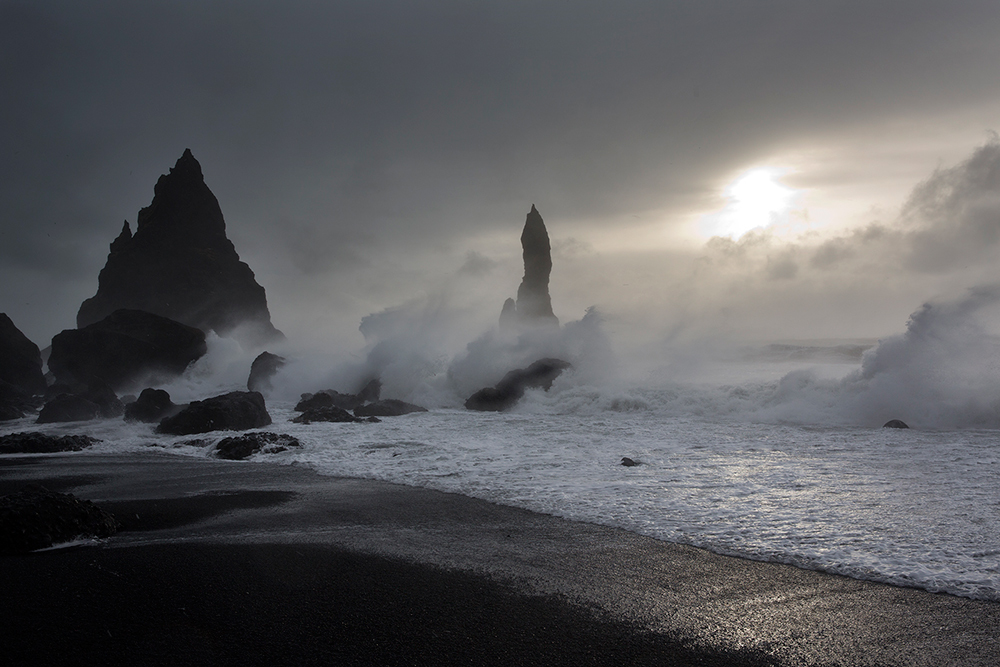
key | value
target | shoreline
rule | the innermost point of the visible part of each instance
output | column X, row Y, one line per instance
column 604, row 582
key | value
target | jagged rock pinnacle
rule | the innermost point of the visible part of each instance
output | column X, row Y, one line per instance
column 180, row 264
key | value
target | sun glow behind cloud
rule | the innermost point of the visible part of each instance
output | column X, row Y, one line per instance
column 755, row 200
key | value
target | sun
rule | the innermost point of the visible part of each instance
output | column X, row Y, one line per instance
column 756, row 200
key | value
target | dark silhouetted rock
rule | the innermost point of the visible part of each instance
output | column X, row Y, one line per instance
column 371, row 391
column 240, row 447
column 895, row 423
column 180, row 264
column 534, row 305
column 541, row 374
column 68, row 408
column 388, row 407
column 151, row 406
column 14, row 401
column 262, row 370
column 235, row 411
column 328, row 398
column 40, row 443
column 329, row 414
column 627, row 462
column 508, row 315
column 36, row 518
column 126, row 347
column 20, row 360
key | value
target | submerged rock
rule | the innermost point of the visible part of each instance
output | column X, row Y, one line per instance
column 151, row 406
column 20, row 360
column 541, row 374
column 895, row 423
column 330, row 414
column 389, row 407
column 262, row 370
column 124, row 348
column 36, row 518
column 628, row 463
column 235, row 411
column 180, row 264
column 40, row 443
column 241, row 447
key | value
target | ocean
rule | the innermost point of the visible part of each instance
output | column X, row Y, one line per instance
column 778, row 455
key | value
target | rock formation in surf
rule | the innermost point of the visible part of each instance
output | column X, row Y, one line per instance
column 20, row 360
column 123, row 348
column 533, row 305
column 180, row 264
column 541, row 374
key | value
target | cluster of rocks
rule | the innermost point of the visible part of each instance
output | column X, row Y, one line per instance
column 330, row 405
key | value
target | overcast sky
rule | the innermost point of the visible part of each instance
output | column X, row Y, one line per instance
column 373, row 155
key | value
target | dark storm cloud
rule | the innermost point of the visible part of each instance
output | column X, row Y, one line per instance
column 337, row 134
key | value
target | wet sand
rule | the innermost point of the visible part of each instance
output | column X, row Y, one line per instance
column 249, row 563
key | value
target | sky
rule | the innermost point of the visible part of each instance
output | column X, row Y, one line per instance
column 707, row 170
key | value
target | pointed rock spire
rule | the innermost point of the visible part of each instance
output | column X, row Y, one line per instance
column 179, row 264
column 533, row 302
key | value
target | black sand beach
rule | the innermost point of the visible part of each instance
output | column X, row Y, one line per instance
column 225, row 563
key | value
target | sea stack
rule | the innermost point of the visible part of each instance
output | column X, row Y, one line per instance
column 533, row 305
column 179, row 264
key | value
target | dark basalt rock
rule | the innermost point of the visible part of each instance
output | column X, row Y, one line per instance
column 14, row 402
column 534, row 305
column 235, row 411
column 36, row 518
column 371, row 391
column 40, row 443
column 507, row 392
column 895, row 423
column 151, row 406
column 68, row 408
column 124, row 348
column 389, row 407
column 241, row 447
column 330, row 414
column 20, row 360
column 262, row 370
column 628, row 463
column 328, row 398
column 180, row 264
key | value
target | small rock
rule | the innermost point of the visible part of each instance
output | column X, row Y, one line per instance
column 626, row 461
column 895, row 423
column 240, row 447
column 329, row 414
column 151, row 406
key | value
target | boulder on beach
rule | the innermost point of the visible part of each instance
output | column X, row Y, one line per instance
column 895, row 423
column 235, row 411
column 20, row 360
column 387, row 407
column 262, row 370
column 152, row 405
column 330, row 414
column 180, row 264
column 124, row 348
column 41, row 443
column 541, row 374
column 96, row 401
column 243, row 446
column 36, row 518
